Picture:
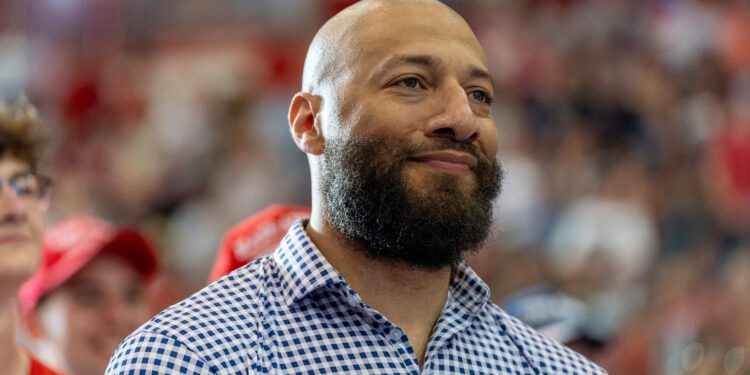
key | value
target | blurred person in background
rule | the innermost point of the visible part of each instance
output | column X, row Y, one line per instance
column 24, row 196
column 395, row 118
column 88, row 293
column 254, row 237
column 597, row 261
column 730, row 162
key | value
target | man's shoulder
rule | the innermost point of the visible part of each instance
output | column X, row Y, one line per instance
column 236, row 299
column 541, row 351
column 215, row 325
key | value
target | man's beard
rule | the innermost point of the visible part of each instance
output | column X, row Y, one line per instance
column 371, row 204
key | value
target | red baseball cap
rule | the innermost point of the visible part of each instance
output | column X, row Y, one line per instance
column 72, row 244
column 254, row 237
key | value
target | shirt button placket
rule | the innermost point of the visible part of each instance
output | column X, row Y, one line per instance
column 352, row 299
column 395, row 335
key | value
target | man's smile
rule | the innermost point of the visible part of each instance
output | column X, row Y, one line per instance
column 447, row 161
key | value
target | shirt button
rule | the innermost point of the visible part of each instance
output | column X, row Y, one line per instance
column 395, row 334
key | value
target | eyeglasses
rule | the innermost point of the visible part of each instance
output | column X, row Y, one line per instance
column 28, row 186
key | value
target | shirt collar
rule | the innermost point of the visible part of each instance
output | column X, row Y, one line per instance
column 303, row 269
column 468, row 289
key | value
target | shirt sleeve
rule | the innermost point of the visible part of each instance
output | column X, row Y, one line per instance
column 155, row 353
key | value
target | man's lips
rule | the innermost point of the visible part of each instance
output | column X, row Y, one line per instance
column 447, row 161
column 12, row 238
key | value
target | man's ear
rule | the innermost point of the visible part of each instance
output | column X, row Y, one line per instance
column 304, row 123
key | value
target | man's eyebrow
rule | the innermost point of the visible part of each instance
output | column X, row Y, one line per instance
column 428, row 62
column 20, row 173
column 477, row 72
column 400, row 60
column 424, row 60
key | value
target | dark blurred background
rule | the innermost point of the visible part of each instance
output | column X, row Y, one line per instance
column 624, row 127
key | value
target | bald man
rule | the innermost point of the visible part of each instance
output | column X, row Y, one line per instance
column 394, row 116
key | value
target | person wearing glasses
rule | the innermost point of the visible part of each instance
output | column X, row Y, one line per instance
column 88, row 293
column 24, row 197
column 395, row 117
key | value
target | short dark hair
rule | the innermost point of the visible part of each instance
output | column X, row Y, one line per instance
column 21, row 134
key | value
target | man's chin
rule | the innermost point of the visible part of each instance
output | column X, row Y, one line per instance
column 19, row 261
column 427, row 184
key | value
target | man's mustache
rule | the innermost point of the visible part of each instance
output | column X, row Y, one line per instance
column 443, row 144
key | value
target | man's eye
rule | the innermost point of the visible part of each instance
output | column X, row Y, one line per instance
column 410, row 82
column 24, row 186
column 86, row 296
column 481, row 96
column 25, row 190
column 134, row 295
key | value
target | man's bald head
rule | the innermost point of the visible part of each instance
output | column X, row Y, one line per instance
column 343, row 39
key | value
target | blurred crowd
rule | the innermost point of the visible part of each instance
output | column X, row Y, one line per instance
column 624, row 130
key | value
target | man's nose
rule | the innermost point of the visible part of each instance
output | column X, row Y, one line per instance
column 117, row 314
column 454, row 117
column 12, row 207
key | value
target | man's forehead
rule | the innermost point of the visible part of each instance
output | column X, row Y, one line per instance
column 373, row 30
column 425, row 41
column 101, row 267
column 394, row 32
column 409, row 21
column 10, row 165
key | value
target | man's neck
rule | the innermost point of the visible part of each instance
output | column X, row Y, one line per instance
column 411, row 298
column 12, row 358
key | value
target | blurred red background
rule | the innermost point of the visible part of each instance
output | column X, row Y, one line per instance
column 624, row 128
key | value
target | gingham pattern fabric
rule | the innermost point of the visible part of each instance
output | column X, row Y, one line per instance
column 292, row 313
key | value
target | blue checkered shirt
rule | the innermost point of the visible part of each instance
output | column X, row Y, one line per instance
column 292, row 313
